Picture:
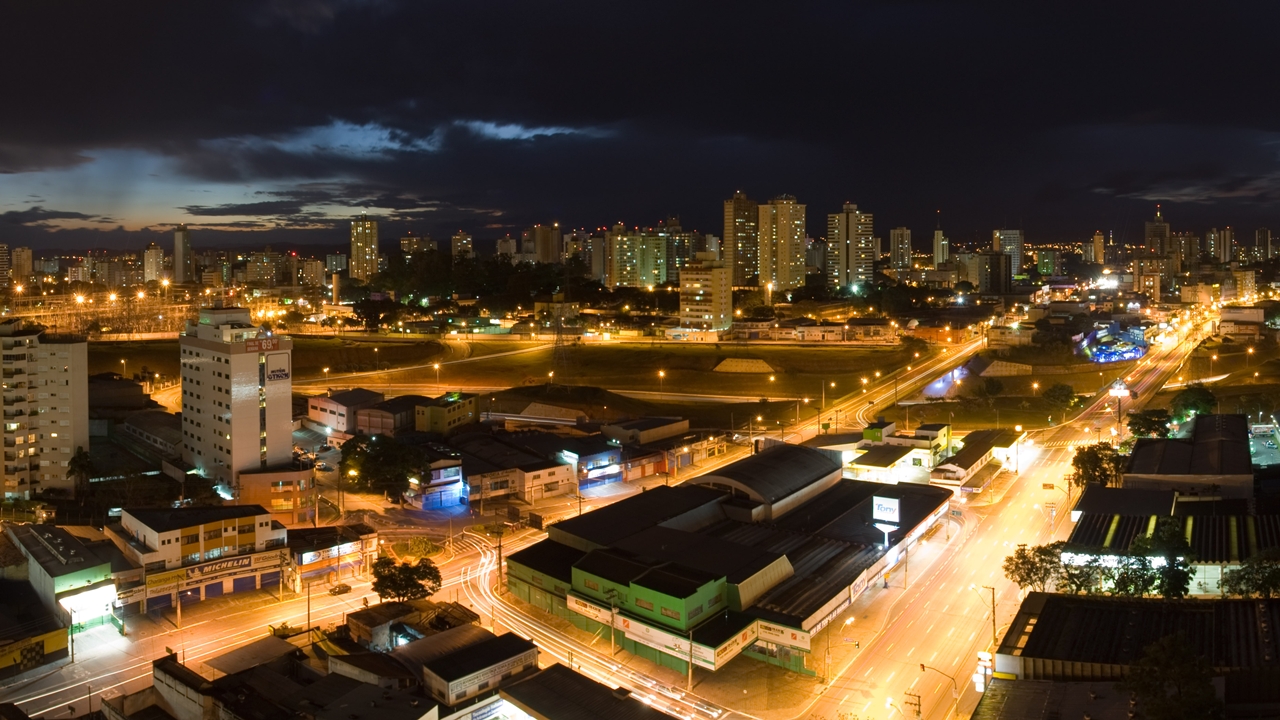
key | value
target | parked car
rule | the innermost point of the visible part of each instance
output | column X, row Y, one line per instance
column 323, row 467
column 340, row 589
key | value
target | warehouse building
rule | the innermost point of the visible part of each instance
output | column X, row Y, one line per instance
column 1214, row 460
column 753, row 559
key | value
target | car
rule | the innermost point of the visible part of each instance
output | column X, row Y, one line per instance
column 323, row 467
column 340, row 589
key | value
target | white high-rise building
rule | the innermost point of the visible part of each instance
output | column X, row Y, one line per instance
column 363, row 262
column 706, row 294
column 313, row 272
column 23, row 265
column 46, row 406
column 184, row 261
column 1010, row 243
column 153, row 263
column 900, row 248
column 782, row 243
column 941, row 248
column 635, row 258
column 741, row 244
column 851, row 248
column 237, row 406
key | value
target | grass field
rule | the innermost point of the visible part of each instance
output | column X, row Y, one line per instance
column 310, row 355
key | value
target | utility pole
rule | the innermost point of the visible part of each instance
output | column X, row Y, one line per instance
column 689, row 683
column 912, row 701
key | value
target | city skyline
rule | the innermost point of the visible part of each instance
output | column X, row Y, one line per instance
column 291, row 140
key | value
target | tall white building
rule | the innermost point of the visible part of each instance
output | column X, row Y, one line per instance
column 237, row 406
column 635, row 258
column 941, row 248
column 1010, row 243
column 706, row 294
column 363, row 262
column 184, row 261
column 741, row 244
column 900, row 248
column 23, row 265
column 153, row 263
column 782, row 243
column 313, row 272
column 851, row 248
column 46, row 407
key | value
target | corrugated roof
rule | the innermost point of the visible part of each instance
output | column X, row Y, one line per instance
column 559, row 692
column 1219, row 445
column 549, row 558
column 777, row 472
column 611, row 523
column 1125, row 501
column 882, row 456
column 478, row 656
column 166, row 519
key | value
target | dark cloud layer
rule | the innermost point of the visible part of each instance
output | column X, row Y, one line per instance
column 1060, row 118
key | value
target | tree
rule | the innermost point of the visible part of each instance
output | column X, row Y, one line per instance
column 1169, row 544
column 1173, row 682
column 1258, row 575
column 377, row 463
column 1098, row 463
column 1076, row 578
column 1150, row 423
column 1060, row 396
column 1035, row 567
column 1195, row 400
column 80, row 470
column 402, row 581
column 1133, row 576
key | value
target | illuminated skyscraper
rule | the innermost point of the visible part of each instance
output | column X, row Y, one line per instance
column 851, row 248
column 1009, row 242
column 782, row 243
column 900, row 248
column 740, row 246
column 941, row 248
column 363, row 262
column 1155, row 236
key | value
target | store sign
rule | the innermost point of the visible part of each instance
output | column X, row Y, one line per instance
column 586, row 609
column 782, row 635
column 165, row 579
column 669, row 643
column 207, row 571
column 131, row 595
column 885, row 509
column 278, row 366
column 330, row 552
column 262, row 344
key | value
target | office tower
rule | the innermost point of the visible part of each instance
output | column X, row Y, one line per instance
column 237, row 405
column 313, row 272
column 411, row 245
column 1010, row 243
column 461, row 244
column 22, row 265
column 184, row 261
column 782, row 243
column 851, row 248
column 543, row 243
column 740, row 246
column 900, row 248
column 46, row 408
column 1262, row 240
column 1155, row 236
column 153, row 263
column 706, row 294
column 335, row 263
column 941, row 248
column 363, row 262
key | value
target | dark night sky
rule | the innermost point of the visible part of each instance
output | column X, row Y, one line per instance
column 286, row 118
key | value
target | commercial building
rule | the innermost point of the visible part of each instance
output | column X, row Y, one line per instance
column 706, row 294
column 966, row 471
column 73, row 579
column 329, row 554
column 363, row 263
column 237, row 411
column 1213, row 459
column 493, row 468
column 184, row 260
column 197, row 553
column 337, row 410
column 740, row 246
column 390, row 417
column 1010, row 243
column 446, row 414
column 851, row 248
column 900, row 248
column 756, row 558
column 782, row 238
column 46, row 407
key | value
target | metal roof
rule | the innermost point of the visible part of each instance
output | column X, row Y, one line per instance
column 561, row 693
column 1219, row 445
column 777, row 472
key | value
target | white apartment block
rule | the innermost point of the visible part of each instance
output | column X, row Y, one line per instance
column 363, row 263
column 46, row 408
column 851, row 248
column 236, row 397
column 782, row 243
column 900, row 248
column 313, row 273
column 706, row 294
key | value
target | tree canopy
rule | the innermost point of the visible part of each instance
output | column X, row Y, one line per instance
column 1098, row 463
column 1150, row 423
column 1258, row 575
column 1168, row 543
column 1194, row 400
column 1034, row 568
column 1172, row 682
column 402, row 581
column 378, row 463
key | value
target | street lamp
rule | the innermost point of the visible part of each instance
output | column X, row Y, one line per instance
column 955, row 687
column 662, row 375
column 1034, row 387
column 436, row 366
column 1017, row 450
column 1248, row 358
column 124, row 369
column 1211, row 359
column 326, row 376
column 751, row 431
column 993, row 609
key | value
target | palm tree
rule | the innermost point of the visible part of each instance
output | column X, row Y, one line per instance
column 80, row 469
